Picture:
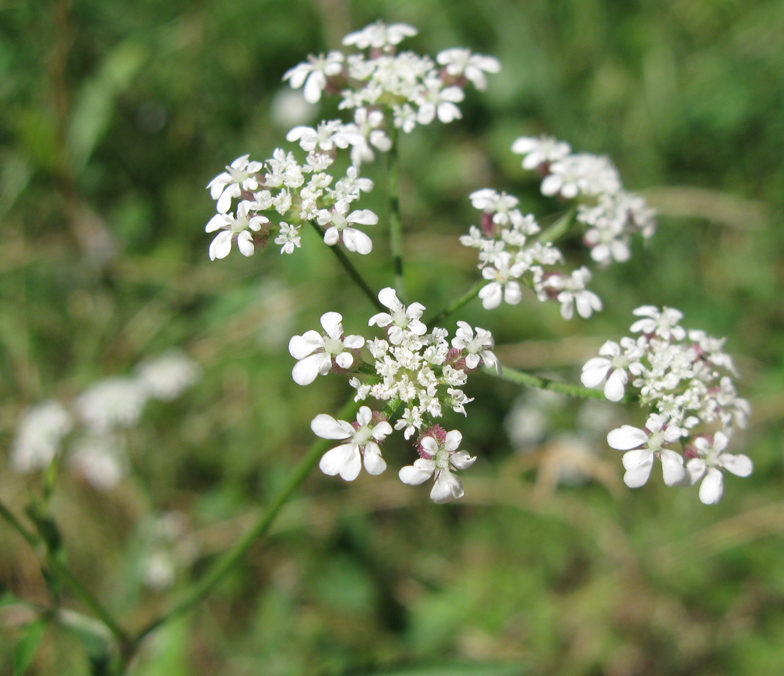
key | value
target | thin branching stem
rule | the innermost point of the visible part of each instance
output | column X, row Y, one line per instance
column 63, row 573
column 530, row 380
column 395, row 221
column 232, row 557
column 355, row 274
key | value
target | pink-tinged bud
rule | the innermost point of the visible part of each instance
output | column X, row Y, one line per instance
column 487, row 225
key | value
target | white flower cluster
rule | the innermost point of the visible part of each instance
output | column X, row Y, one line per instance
column 510, row 257
column 102, row 412
column 383, row 89
column 686, row 379
column 419, row 369
column 610, row 213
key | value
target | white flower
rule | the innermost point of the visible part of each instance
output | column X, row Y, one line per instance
column 378, row 35
column 314, row 74
column 316, row 352
column 38, row 436
column 367, row 126
column 234, row 229
column 339, row 227
column 288, row 238
column 111, row 403
column 710, row 463
column 101, row 460
column 610, row 368
column 435, row 100
column 439, row 459
column 571, row 292
column 327, row 136
column 169, row 375
column 643, row 446
column 461, row 62
column 540, row 151
column 503, row 284
column 664, row 324
column 402, row 319
column 362, row 439
column 478, row 348
column 239, row 175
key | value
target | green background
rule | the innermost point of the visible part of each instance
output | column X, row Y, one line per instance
column 115, row 115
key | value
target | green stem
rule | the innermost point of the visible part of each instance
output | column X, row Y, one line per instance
column 231, row 558
column 67, row 577
column 395, row 222
column 530, row 380
column 355, row 275
column 558, row 229
column 28, row 536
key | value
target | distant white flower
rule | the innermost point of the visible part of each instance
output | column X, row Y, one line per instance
column 461, row 62
column 234, row 229
column 643, row 446
column 339, row 226
column 239, row 175
column 38, row 436
column 316, row 352
column 379, row 35
column 111, row 403
column 712, row 459
column 401, row 320
column 540, row 150
column 101, row 460
column 314, row 74
column 478, row 348
column 362, row 443
column 439, row 459
column 169, row 375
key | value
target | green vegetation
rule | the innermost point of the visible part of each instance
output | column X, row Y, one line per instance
column 115, row 115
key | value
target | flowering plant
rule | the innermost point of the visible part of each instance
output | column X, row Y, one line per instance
column 409, row 372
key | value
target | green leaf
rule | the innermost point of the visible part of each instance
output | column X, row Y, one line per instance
column 25, row 649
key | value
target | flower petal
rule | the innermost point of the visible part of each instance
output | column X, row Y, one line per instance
column 672, row 467
column 712, row 487
column 326, row 427
column 626, row 437
column 306, row 370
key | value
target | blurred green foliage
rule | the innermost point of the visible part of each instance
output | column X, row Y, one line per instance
column 114, row 115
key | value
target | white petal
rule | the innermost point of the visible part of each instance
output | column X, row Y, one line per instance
column 345, row 360
column 353, row 342
column 331, row 321
column 306, row 370
column 358, row 241
column 712, row 487
column 381, row 431
column 216, row 223
column 447, row 487
column 672, row 467
column 331, row 236
column 374, row 463
column 221, row 245
column 462, row 460
column 595, row 371
column 301, row 346
column 363, row 216
column 245, row 243
column 513, row 293
column 413, row 476
column 453, row 440
column 739, row 465
column 626, row 437
column 388, row 298
column 696, row 469
column 326, row 427
column 614, row 389
column 491, row 295
column 638, row 468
